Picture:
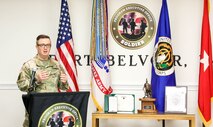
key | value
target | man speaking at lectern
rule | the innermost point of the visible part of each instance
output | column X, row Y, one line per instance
column 41, row 73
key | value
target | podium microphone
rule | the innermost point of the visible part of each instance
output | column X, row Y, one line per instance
column 32, row 81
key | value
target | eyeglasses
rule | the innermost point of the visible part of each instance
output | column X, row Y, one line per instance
column 44, row 45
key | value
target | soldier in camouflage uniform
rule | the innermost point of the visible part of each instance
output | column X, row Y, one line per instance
column 49, row 74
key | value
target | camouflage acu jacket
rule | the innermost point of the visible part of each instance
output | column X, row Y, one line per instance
column 49, row 85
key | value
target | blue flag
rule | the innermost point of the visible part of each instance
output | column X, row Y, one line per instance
column 163, row 73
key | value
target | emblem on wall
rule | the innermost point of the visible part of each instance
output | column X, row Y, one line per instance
column 133, row 26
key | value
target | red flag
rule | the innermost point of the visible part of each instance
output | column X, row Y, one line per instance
column 205, row 91
column 65, row 54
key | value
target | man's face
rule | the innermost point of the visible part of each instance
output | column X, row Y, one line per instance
column 43, row 47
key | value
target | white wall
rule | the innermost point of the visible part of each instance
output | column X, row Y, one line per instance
column 22, row 20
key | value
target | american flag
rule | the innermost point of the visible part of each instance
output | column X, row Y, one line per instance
column 65, row 54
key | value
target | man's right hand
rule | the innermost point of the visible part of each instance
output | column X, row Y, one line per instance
column 41, row 75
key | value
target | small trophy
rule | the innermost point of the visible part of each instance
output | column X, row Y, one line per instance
column 147, row 102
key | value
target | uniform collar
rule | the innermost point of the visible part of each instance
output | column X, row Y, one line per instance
column 43, row 63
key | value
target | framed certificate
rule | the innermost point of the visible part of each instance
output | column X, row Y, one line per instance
column 126, row 102
column 176, row 99
column 113, row 104
column 119, row 103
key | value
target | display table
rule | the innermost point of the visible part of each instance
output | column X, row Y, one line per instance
column 163, row 117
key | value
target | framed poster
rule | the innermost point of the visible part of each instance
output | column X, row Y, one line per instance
column 176, row 99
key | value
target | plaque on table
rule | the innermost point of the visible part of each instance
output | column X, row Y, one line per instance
column 147, row 105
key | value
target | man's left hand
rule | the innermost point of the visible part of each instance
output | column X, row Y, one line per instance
column 63, row 77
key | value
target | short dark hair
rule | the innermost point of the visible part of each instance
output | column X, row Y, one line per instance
column 41, row 36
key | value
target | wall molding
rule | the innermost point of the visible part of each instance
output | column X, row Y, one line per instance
column 116, row 87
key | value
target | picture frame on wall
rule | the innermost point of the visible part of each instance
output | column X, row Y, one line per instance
column 176, row 99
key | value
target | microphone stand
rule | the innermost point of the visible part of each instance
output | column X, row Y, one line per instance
column 32, row 85
column 32, row 81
